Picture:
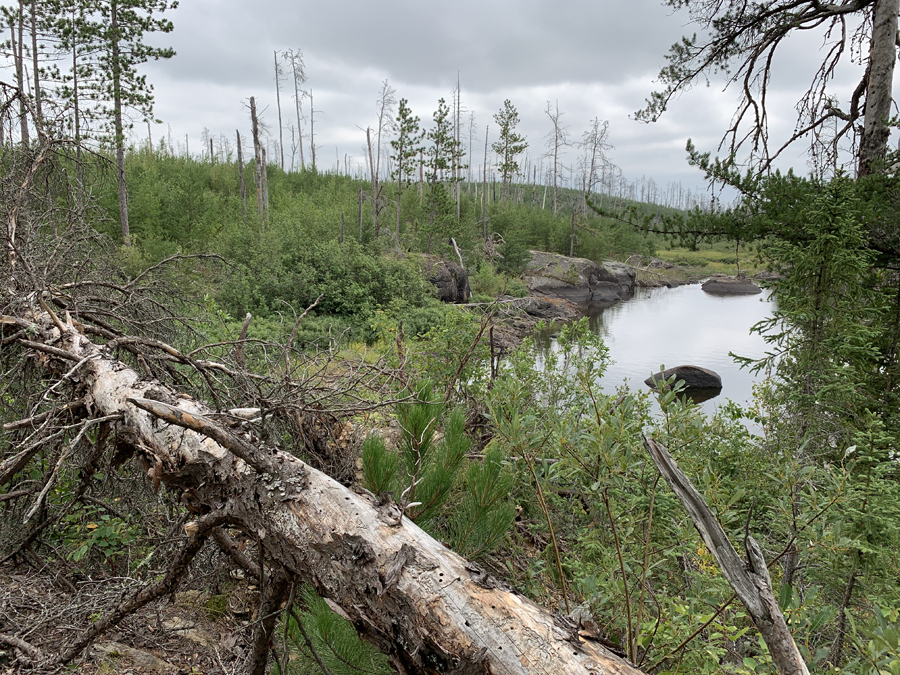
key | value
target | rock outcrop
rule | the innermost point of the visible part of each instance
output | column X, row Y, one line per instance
column 450, row 280
column 725, row 285
column 578, row 280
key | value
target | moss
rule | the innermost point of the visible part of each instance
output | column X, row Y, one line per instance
column 216, row 607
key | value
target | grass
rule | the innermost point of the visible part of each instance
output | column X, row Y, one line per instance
column 717, row 258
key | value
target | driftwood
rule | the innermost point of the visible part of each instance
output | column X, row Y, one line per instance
column 751, row 582
column 423, row 604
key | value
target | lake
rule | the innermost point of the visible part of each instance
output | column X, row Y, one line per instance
column 683, row 326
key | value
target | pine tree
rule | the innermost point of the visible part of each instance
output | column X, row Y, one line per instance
column 443, row 154
column 406, row 146
column 113, row 36
column 509, row 146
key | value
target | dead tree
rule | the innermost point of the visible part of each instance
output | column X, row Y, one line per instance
column 243, row 188
column 557, row 139
column 278, row 74
column 298, row 75
column 257, row 156
column 426, row 606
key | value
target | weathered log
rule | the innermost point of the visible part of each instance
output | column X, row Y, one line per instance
column 404, row 591
column 751, row 582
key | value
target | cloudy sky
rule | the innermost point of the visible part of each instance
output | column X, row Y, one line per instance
column 596, row 58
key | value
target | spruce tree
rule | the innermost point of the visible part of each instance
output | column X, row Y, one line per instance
column 509, row 146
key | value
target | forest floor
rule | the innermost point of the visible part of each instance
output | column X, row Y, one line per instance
column 190, row 633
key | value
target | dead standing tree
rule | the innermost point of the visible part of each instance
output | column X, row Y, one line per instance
column 557, row 139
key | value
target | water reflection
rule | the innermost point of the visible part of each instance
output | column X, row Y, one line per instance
column 682, row 326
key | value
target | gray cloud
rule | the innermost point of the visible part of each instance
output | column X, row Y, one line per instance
column 597, row 58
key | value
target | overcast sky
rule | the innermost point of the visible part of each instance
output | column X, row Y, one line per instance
column 596, row 58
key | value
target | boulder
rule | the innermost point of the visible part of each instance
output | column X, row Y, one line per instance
column 724, row 285
column 578, row 280
column 694, row 377
column 549, row 309
column 449, row 279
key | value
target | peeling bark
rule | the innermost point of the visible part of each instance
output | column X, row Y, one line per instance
column 423, row 604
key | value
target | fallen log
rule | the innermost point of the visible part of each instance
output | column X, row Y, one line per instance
column 423, row 604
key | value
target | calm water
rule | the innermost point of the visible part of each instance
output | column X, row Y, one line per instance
column 683, row 326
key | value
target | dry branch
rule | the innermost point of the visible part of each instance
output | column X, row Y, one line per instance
column 751, row 583
column 434, row 612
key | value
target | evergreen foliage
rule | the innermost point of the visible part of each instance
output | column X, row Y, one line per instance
column 332, row 641
column 509, row 146
column 425, row 471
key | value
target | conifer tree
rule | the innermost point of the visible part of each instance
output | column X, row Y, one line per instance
column 406, row 146
column 509, row 146
column 443, row 154
column 113, row 34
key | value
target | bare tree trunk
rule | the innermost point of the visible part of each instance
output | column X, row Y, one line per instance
column 312, row 130
column 18, row 50
column 39, row 115
column 257, row 156
column 752, row 583
column 421, row 175
column 837, row 648
column 119, row 128
column 572, row 236
column 297, row 78
column 79, row 167
column 278, row 105
column 265, row 181
column 457, row 170
column 240, row 162
column 484, row 228
column 882, row 56
column 375, row 190
column 405, row 592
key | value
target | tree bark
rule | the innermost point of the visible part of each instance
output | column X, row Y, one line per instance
column 404, row 591
column 257, row 156
column 297, row 105
column 882, row 55
column 373, row 171
column 39, row 114
column 18, row 57
column 278, row 104
column 753, row 586
column 117, row 121
column 484, row 228
column 243, row 188
column 312, row 130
